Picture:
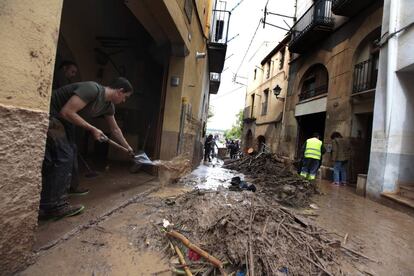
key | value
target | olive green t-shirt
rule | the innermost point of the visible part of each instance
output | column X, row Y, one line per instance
column 92, row 93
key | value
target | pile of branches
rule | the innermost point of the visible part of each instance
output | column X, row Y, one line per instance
column 277, row 176
column 249, row 232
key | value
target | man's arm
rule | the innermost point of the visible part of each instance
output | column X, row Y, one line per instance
column 69, row 113
column 117, row 133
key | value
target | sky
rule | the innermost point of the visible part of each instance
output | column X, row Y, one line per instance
column 243, row 23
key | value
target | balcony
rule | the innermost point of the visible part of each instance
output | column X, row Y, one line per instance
column 217, row 44
column 248, row 115
column 215, row 79
column 349, row 8
column 310, row 93
column 314, row 25
column 365, row 76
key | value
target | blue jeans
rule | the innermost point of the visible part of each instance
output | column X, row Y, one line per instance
column 340, row 171
column 310, row 167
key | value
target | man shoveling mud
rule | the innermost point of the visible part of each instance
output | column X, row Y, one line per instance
column 93, row 100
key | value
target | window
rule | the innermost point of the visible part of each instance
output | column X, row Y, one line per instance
column 268, row 69
column 265, row 102
column 255, row 74
column 188, row 9
column 282, row 59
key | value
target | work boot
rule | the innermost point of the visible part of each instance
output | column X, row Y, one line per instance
column 78, row 191
column 62, row 212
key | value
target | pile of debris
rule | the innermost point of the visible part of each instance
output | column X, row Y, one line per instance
column 276, row 176
column 241, row 232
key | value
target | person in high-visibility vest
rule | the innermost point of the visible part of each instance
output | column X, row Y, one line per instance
column 313, row 150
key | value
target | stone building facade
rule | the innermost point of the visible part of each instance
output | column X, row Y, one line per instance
column 332, row 78
column 165, row 48
column 265, row 99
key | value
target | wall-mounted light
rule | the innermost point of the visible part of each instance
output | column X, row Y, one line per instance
column 276, row 91
column 200, row 55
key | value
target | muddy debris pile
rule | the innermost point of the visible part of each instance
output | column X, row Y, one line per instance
column 246, row 233
column 277, row 177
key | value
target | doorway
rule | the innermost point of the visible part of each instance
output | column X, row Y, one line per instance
column 307, row 126
column 361, row 144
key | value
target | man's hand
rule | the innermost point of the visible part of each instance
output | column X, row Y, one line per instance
column 98, row 135
column 131, row 152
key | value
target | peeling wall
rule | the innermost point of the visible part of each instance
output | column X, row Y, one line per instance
column 29, row 33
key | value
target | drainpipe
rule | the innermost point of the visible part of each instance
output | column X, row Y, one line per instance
column 392, row 52
column 184, row 102
column 388, row 184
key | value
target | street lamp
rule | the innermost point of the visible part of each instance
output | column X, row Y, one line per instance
column 276, row 92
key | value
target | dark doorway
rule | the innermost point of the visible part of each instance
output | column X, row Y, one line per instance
column 307, row 125
column 361, row 144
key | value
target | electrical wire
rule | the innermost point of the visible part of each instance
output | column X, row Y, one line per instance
column 248, row 48
column 238, row 4
column 227, row 93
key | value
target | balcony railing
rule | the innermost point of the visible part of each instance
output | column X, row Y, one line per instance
column 215, row 79
column 365, row 75
column 217, row 44
column 248, row 115
column 314, row 23
column 220, row 26
column 307, row 94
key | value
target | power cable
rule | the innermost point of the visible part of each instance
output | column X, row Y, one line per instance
column 248, row 48
column 238, row 4
column 227, row 93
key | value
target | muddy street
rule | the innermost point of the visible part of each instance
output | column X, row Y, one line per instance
column 367, row 238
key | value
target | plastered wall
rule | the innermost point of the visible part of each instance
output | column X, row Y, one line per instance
column 29, row 33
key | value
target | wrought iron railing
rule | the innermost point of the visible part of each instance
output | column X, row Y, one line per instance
column 216, row 77
column 319, row 13
column 220, row 26
column 264, row 108
column 365, row 75
column 307, row 94
column 248, row 114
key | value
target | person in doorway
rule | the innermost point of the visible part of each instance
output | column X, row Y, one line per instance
column 92, row 100
column 340, row 155
column 313, row 150
column 65, row 74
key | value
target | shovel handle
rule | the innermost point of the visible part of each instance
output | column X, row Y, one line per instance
column 115, row 144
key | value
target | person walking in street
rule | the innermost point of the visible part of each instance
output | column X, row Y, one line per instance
column 340, row 155
column 208, row 144
column 93, row 100
column 313, row 150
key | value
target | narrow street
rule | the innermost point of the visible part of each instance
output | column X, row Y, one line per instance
column 114, row 246
column 206, row 138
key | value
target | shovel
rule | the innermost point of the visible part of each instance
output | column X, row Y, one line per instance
column 140, row 158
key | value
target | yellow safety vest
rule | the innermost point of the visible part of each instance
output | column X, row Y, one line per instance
column 313, row 148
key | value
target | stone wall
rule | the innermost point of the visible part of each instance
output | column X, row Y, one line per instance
column 22, row 141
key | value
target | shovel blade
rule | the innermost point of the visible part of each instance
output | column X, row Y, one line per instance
column 142, row 158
